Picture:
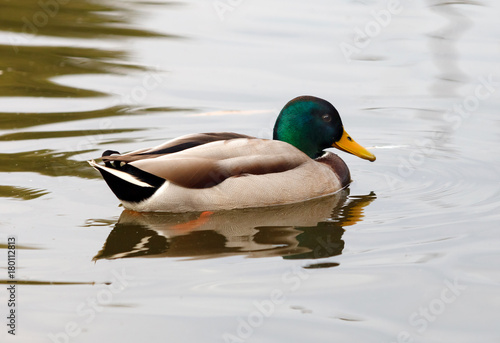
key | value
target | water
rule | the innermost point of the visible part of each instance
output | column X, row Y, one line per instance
column 409, row 253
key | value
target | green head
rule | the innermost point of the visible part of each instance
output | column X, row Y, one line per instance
column 311, row 125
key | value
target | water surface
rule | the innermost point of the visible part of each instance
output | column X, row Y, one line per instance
column 408, row 253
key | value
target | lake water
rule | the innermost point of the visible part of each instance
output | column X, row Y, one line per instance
column 408, row 253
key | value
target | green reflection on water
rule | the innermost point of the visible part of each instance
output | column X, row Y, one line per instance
column 75, row 18
column 28, row 69
column 23, row 193
column 46, row 162
column 22, row 120
column 51, row 162
column 29, row 64
column 49, row 283
column 24, row 247
column 58, row 134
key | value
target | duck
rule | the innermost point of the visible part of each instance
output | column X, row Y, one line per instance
column 224, row 170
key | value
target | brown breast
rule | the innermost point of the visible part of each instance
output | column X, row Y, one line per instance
column 338, row 166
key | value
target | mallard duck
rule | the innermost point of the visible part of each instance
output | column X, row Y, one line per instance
column 217, row 171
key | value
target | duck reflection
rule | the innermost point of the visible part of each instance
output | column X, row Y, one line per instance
column 308, row 230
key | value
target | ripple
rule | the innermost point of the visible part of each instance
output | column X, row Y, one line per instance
column 453, row 185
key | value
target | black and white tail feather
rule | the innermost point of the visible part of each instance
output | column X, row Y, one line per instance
column 127, row 182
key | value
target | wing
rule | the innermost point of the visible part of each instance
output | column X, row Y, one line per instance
column 209, row 164
column 172, row 146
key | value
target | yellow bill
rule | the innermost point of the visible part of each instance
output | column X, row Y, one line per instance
column 347, row 144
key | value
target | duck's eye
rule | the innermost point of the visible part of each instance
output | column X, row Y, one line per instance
column 326, row 118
